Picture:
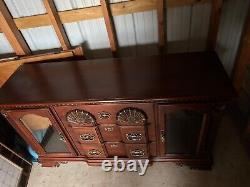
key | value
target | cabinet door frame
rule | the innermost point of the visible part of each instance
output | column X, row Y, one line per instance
column 13, row 116
column 164, row 109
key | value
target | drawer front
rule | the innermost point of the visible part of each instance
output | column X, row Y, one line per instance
column 133, row 134
column 110, row 133
column 137, row 150
column 115, row 149
column 102, row 113
column 86, row 135
column 93, row 150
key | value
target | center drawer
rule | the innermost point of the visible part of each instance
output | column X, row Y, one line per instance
column 110, row 133
column 93, row 150
column 127, row 134
column 86, row 135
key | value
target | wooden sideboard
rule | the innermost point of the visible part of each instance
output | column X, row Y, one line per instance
column 158, row 108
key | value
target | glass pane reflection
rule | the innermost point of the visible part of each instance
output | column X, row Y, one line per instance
column 43, row 131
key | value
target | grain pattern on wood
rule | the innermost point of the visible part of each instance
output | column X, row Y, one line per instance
column 11, row 32
column 117, row 9
column 161, row 23
column 109, row 25
column 214, row 24
column 8, row 68
column 243, row 57
column 139, row 78
column 57, row 24
column 79, row 51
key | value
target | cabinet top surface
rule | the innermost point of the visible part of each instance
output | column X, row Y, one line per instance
column 174, row 76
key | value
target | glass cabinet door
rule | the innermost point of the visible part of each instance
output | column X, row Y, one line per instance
column 181, row 129
column 40, row 130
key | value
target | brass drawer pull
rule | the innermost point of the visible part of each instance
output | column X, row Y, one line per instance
column 134, row 137
column 109, row 129
column 94, row 152
column 87, row 137
column 113, row 145
column 61, row 137
column 163, row 136
column 104, row 115
column 137, row 153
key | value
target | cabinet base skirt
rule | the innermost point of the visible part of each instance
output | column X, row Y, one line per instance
column 204, row 163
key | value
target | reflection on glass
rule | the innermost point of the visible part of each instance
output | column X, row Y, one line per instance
column 44, row 133
column 183, row 128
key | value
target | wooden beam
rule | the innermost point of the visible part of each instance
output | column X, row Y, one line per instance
column 109, row 26
column 9, row 67
column 11, row 32
column 57, row 24
column 161, row 23
column 243, row 57
column 117, row 9
column 214, row 24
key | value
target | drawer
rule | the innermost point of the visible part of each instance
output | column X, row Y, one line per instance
column 137, row 150
column 93, row 150
column 110, row 133
column 115, row 149
column 135, row 134
column 86, row 135
column 106, row 113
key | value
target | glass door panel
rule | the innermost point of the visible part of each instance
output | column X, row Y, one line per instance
column 182, row 131
column 43, row 131
column 40, row 130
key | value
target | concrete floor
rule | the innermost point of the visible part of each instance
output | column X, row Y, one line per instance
column 231, row 169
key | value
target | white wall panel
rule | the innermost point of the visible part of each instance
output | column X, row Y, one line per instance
column 178, row 28
column 199, row 27
column 21, row 8
column 136, row 29
column 232, row 22
column 41, row 38
column 74, row 4
column 146, row 29
column 125, row 30
column 5, row 46
column 91, row 32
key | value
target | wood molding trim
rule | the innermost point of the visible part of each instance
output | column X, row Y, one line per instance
column 96, row 12
column 57, row 24
column 11, row 31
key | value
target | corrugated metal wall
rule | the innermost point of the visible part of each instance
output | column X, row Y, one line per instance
column 232, row 22
column 137, row 33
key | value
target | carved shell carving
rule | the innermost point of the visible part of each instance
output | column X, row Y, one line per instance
column 131, row 116
column 80, row 117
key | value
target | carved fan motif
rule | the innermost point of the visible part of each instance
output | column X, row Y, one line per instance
column 80, row 117
column 132, row 116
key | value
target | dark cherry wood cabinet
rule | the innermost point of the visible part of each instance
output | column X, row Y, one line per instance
column 157, row 108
